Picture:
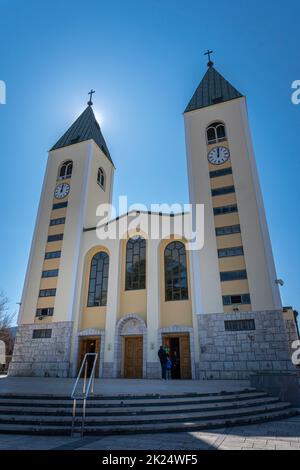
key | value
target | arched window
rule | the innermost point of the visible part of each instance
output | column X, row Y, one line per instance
column 135, row 264
column 176, row 282
column 216, row 133
column 65, row 170
column 97, row 295
column 101, row 178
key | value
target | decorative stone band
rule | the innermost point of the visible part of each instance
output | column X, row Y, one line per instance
column 42, row 356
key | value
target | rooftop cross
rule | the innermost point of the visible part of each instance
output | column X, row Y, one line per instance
column 90, row 103
column 208, row 53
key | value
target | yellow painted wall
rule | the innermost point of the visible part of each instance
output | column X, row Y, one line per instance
column 45, row 302
column 54, row 246
column 56, row 229
column 235, row 287
column 228, row 241
column 232, row 263
column 48, row 283
column 226, row 220
column 46, row 320
column 93, row 317
column 173, row 312
column 51, row 264
column 58, row 213
column 222, row 181
column 242, row 308
column 224, row 200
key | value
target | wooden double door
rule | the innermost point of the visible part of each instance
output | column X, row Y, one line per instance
column 133, row 357
column 178, row 348
column 89, row 345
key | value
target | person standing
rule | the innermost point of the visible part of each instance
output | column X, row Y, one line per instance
column 169, row 368
column 163, row 362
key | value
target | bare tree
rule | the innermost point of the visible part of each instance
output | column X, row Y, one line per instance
column 6, row 322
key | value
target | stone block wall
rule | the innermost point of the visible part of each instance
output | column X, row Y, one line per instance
column 42, row 357
column 153, row 370
column 238, row 354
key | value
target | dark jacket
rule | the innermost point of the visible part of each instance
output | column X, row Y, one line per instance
column 162, row 356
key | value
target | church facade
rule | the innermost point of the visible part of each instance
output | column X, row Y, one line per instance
column 217, row 310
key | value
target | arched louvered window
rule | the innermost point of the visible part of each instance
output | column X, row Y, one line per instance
column 101, row 178
column 176, row 281
column 98, row 284
column 216, row 133
column 65, row 170
column 135, row 264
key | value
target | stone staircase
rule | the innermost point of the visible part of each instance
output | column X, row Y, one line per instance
column 52, row 415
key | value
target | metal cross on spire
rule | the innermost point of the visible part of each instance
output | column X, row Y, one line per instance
column 210, row 62
column 90, row 103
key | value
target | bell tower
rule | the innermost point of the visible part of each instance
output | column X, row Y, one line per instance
column 79, row 177
column 236, row 265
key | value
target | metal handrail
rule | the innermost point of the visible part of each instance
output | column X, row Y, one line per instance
column 85, row 389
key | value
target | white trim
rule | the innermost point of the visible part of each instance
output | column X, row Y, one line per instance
column 181, row 329
column 262, row 219
column 85, row 334
column 118, row 343
column 34, row 239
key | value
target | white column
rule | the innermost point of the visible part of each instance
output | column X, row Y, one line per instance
column 112, row 308
column 196, row 297
column 153, row 306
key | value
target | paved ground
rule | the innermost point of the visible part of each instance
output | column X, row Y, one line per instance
column 278, row 435
column 38, row 385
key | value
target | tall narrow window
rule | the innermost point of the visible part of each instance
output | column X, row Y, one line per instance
column 65, row 170
column 97, row 295
column 101, row 178
column 216, row 133
column 176, row 281
column 135, row 264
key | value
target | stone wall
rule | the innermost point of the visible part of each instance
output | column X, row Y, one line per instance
column 42, row 357
column 290, row 326
column 154, row 370
column 237, row 354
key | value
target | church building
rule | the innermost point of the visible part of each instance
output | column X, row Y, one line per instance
column 217, row 310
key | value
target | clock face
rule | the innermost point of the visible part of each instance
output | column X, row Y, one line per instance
column 62, row 190
column 218, row 155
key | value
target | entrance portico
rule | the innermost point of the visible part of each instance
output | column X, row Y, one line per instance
column 131, row 347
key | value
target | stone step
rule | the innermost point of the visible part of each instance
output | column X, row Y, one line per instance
column 132, row 402
column 129, row 397
column 150, row 428
column 154, row 419
column 134, row 410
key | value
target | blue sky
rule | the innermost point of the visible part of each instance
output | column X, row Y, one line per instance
column 144, row 59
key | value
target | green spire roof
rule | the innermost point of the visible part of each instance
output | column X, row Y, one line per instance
column 212, row 90
column 84, row 128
